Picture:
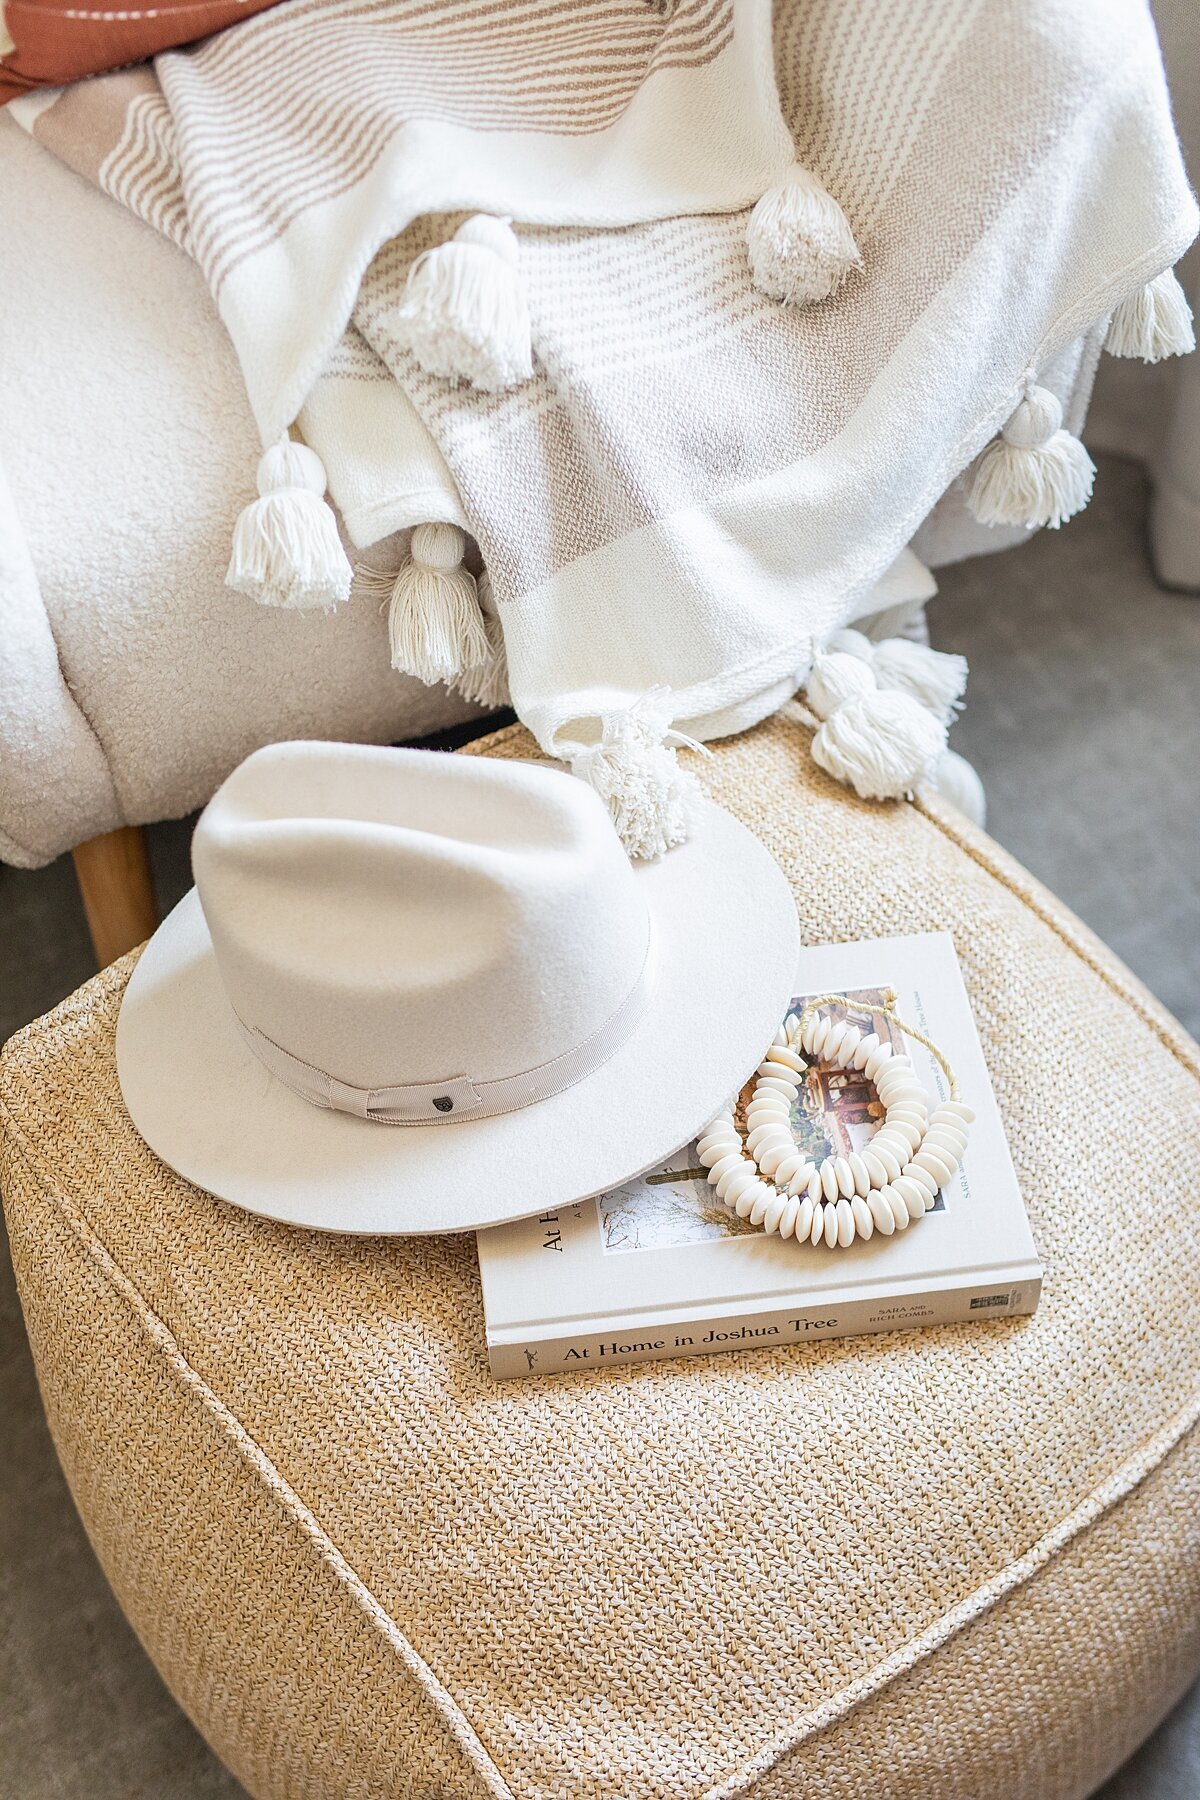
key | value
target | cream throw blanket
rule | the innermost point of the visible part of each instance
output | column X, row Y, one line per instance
column 696, row 484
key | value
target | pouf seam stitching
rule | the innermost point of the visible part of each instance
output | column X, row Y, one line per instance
column 246, row 1445
column 1085, row 1513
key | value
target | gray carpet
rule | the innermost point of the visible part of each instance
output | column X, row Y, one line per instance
column 1082, row 721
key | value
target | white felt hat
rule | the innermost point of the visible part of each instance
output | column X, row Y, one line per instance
column 418, row 992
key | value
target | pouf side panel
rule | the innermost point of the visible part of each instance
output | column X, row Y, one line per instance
column 256, row 1632
column 1047, row 1694
column 298, row 1693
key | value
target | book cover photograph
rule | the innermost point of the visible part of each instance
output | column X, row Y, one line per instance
column 837, row 1112
column 661, row 1267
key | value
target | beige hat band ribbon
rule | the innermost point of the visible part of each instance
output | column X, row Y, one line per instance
column 457, row 1096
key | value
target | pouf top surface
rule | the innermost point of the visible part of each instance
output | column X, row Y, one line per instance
column 657, row 1579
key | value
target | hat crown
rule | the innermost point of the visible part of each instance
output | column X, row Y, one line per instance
column 396, row 917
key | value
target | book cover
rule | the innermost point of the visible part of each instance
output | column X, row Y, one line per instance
column 658, row 1267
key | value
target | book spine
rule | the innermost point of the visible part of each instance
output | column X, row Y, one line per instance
column 793, row 1325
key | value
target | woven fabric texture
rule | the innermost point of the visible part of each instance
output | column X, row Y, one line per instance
column 939, row 1564
column 712, row 429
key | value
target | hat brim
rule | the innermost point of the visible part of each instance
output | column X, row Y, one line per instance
column 726, row 943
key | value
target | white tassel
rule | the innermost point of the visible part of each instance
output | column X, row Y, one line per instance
column 880, row 741
column 800, row 244
column 286, row 548
column 634, row 769
column 1154, row 323
column 955, row 780
column 934, row 677
column 486, row 683
column 838, row 676
column 1034, row 473
column 464, row 314
column 434, row 622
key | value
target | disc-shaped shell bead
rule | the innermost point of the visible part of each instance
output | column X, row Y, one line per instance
column 937, row 1166
column 714, row 1149
column 757, row 1193
column 900, row 1092
column 899, row 1208
column 913, row 1172
column 864, row 1224
column 912, row 1194
column 881, row 1212
column 909, row 1112
column 771, row 1155
column 735, row 1183
column 888, row 1158
column 875, row 1169
column 775, row 1084
column 720, row 1125
column 764, row 1202
column 941, row 1138
column 903, row 1131
column 957, row 1110
column 768, row 1133
column 767, row 1112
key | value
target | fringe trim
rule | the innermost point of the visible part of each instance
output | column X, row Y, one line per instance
column 1154, row 323
column 286, row 548
column 1034, row 473
column 486, row 683
column 464, row 314
column 799, row 241
column 435, row 628
column 634, row 768
column 875, row 735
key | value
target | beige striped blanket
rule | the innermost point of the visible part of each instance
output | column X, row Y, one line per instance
column 695, row 483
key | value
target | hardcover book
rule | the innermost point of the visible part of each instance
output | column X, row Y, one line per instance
column 660, row 1268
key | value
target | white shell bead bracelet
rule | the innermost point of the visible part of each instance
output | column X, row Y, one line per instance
column 889, row 1184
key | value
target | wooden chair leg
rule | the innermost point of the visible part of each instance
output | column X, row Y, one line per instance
column 113, row 872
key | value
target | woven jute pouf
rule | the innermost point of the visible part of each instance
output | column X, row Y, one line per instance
column 925, row 1566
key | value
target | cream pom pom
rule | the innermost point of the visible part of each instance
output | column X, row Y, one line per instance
column 882, row 744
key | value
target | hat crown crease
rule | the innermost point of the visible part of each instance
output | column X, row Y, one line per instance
column 386, row 922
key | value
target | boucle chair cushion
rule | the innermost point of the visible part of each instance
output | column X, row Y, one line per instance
column 938, row 1564
column 132, row 680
